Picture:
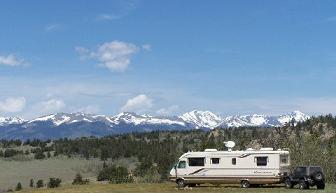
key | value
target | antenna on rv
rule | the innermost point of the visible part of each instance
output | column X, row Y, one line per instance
column 229, row 145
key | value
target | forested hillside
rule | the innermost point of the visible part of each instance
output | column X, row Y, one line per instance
column 311, row 142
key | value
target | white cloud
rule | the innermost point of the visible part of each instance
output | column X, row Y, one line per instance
column 12, row 105
column 11, row 60
column 102, row 17
column 120, row 10
column 147, row 47
column 49, row 106
column 139, row 103
column 52, row 27
column 168, row 111
column 115, row 55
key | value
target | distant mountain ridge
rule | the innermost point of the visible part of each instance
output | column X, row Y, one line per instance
column 73, row 125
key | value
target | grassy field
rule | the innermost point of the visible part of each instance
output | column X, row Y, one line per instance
column 14, row 171
column 170, row 188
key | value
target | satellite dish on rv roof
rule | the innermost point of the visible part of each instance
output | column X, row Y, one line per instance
column 229, row 144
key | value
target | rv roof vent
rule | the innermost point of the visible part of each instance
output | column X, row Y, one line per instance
column 266, row 149
column 210, row 150
column 250, row 149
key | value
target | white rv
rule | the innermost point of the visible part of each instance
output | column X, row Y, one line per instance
column 249, row 167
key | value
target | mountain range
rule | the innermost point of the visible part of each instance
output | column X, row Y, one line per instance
column 72, row 125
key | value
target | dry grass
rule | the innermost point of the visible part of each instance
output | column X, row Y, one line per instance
column 170, row 188
column 14, row 171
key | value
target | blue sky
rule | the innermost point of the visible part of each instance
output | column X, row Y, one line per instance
column 167, row 57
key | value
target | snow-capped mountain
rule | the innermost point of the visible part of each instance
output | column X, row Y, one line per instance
column 296, row 115
column 11, row 120
column 202, row 119
column 207, row 119
column 122, row 118
column 73, row 125
column 132, row 118
column 263, row 120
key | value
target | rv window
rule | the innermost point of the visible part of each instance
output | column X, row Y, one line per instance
column 182, row 164
column 196, row 161
column 234, row 161
column 214, row 160
column 300, row 171
column 261, row 161
column 284, row 159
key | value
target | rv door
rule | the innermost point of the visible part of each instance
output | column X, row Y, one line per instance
column 181, row 167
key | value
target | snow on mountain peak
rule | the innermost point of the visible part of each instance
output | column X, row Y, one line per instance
column 196, row 119
column 62, row 118
column 81, row 124
column 263, row 120
column 297, row 116
column 11, row 120
column 133, row 118
column 205, row 119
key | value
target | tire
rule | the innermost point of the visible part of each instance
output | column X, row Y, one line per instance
column 320, row 186
column 303, row 185
column 318, row 176
column 288, row 184
column 245, row 184
column 180, row 183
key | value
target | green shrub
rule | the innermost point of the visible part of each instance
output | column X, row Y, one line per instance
column 115, row 174
column 146, row 172
column 79, row 180
column 39, row 184
column 11, row 153
column 39, row 154
column 54, row 182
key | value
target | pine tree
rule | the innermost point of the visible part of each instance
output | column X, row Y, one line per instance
column 31, row 184
column 39, row 184
column 54, row 182
column 79, row 180
column 18, row 187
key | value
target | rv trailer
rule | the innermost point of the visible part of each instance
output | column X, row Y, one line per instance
column 249, row 167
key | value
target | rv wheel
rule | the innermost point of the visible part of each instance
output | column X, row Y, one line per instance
column 180, row 183
column 318, row 176
column 303, row 185
column 245, row 184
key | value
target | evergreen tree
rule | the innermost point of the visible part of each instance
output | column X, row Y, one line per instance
column 54, row 183
column 79, row 180
column 18, row 187
column 31, row 184
column 39, row 184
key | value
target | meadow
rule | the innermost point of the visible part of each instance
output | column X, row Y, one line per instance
column 170, row 188
column 14, row 171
